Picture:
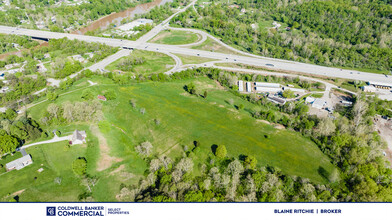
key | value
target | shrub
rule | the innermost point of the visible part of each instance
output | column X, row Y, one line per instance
column 79, row 166
column 221, row 151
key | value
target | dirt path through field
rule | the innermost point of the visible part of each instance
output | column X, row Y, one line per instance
column 105, row 160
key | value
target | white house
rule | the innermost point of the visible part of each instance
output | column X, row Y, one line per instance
column 78, row 137
column 19, row 163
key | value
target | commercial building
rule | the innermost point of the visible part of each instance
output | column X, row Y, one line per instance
column 268, row 89
column 276, row 100
column 271, row 85
column 380, row 85
column 319, row 103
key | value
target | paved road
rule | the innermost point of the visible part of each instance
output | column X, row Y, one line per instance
column 53, row 140
column 253, row 60
column 108, row 60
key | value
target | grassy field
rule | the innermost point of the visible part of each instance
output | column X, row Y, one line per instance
column 175, row 37
column 183, row 118
column 154, row 63
column 211, row 45
column 31, row 185
column 193, row 59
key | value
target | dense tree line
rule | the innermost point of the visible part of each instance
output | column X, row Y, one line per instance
column 6, row 43
column 21, row 88
column 345, row 33
column 71, row 112
column 14, row 132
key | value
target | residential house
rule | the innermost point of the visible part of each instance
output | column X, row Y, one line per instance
column 19, row 163
column 78, row 137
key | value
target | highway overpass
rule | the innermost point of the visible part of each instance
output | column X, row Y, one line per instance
column 257, row 61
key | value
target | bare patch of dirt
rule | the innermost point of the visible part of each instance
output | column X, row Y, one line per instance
column 105, row 160
column 279, row 126
column 263, row 121
column 122, row 174
column 204, row 85
column 212, row 103
column 120, row 168
column 219, row 85
column 18, row 192
column 384, row 128
column 160, row 36
column 222, row 106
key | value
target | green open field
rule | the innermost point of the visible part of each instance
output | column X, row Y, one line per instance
column 183, row 119
column 211, row 45
column 175, row 37
column 154, row 63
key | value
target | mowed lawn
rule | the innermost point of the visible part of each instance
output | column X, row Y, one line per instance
column 32, row 185
column 175, row 37
column 154, row 63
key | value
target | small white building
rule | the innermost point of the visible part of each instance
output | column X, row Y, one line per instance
column 276, row 24
column 271, row 85
column 19, row 163
column 369, row 89
column 309, row 99
column 78, row 137
column 133, row 24
column 79, row 58
column 4, row 89
column 294, row 89
column 41, row 68
column 319, row 103
column 248, row 87
column 240, row 86
column 268, row 89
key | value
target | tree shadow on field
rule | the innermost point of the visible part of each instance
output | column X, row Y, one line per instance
column 323, row 172
column 213, row 148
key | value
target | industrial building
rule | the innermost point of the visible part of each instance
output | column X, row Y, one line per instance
column 270, row 85
column 240, row 86
column 380, row 85
column 248, row 87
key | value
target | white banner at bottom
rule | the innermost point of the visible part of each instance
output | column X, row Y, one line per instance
column 196, row 211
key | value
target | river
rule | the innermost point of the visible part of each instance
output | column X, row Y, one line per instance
column 104, row 22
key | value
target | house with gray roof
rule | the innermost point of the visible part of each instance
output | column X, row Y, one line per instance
column 78, row 137
column 19, row 163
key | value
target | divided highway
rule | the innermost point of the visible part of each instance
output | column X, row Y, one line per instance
column 249, row 60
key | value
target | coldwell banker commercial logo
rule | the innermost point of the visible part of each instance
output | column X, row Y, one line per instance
column 84, row 211
column 50, row 211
